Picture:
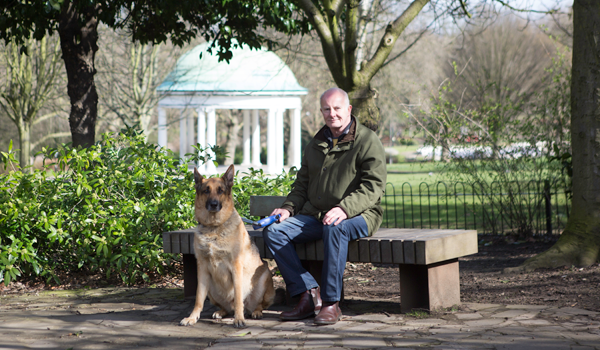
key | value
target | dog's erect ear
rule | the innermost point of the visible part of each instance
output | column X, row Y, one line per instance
column 197, row 177
column 228, row 176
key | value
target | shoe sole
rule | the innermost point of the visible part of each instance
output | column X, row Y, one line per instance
column 322, row 323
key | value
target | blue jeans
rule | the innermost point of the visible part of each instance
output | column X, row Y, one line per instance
column 280, row 238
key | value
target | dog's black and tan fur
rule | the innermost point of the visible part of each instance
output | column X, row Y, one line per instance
column 230, row 270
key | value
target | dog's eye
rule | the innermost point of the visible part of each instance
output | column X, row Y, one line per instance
column 206, row 189
column 220, row 190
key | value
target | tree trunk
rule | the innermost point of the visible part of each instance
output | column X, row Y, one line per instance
column 579, row 244
column 79, row 42
column 143, row 68
column 233, row 130
column 364, row 106
column 25, row 145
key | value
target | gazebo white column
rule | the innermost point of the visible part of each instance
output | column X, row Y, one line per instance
column 201, row 135
column 183, row 144
column 162, row 127
column 190, row 131
column 295, row 146
column 280, row 138
column 255, row 139
column 246, row 137
column 211, row 139
column 271, row 143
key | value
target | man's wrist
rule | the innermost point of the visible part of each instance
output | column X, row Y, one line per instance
column 344, row 210
column 289, row 208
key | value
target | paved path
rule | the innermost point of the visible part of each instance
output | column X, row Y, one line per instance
column 112, row 318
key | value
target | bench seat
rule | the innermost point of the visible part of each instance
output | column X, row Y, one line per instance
column 427, row 259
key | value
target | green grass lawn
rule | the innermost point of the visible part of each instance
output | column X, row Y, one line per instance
column 413, row 167
column 405, row 153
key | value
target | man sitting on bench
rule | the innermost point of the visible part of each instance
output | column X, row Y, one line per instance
column 335, row 197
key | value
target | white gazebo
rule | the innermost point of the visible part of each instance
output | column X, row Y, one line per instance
column 251, row 81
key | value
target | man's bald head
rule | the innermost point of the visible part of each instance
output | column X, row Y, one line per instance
column 336, row 90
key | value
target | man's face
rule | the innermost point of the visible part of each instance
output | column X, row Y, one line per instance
column 336, row 112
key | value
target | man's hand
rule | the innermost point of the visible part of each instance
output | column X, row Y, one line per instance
column 335, row 216
column 283, row 212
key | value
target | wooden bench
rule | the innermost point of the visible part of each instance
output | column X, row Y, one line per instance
column 427, row 258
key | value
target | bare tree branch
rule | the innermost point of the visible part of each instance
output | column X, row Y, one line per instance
column 50, row 136
column 505, row 4
column 46, row 117
column 327, row 40
column 390, row 36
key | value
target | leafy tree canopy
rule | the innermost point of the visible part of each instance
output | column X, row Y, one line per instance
column 226, row 23
column 155, row 21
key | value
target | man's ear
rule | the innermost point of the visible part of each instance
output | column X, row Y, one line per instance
column 228, row 176
column 197, row 177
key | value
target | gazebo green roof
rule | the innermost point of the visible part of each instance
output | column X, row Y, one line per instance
column 255, row 72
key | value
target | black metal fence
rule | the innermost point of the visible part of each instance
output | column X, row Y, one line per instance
column 526, row 208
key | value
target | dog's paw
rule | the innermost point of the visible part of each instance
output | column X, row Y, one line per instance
column 219, row 314
column 257, row 315
column 188, row 321
column 239, row 323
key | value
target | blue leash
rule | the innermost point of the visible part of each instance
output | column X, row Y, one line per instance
column 262, row 222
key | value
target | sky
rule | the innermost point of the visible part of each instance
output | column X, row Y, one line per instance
column 541, row 5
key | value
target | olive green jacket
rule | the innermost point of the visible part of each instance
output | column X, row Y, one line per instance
column 351, row 175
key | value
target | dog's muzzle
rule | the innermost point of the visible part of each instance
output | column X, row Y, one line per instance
column 213, row 205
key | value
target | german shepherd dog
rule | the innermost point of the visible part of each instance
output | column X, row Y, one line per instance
column 230, row 270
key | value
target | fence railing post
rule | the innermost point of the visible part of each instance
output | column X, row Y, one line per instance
column 548, row 200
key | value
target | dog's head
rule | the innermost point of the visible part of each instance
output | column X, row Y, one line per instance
column 214, row 202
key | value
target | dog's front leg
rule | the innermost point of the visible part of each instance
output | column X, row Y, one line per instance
column 201, row 291
column 238, row 299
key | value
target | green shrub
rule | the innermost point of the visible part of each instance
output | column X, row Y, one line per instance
column 407, row 142
column 103, row 209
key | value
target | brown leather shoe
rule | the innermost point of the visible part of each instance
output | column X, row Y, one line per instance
column 330, row 313
column 310, row 301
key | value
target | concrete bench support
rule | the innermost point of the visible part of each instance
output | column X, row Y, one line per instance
column 429, row 287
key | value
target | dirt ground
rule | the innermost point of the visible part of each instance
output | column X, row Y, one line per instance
column 481, row 279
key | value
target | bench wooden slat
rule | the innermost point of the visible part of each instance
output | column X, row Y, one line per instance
column 397, row 252
column 176, row 243
column 363, row 250
column 409, row 252
column 386, row 251
column 420, row 252
column 187, row 244
column 375, row 251
column 167, row 247
column 353, row 251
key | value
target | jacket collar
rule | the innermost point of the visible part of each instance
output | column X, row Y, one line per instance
column 349, row 134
